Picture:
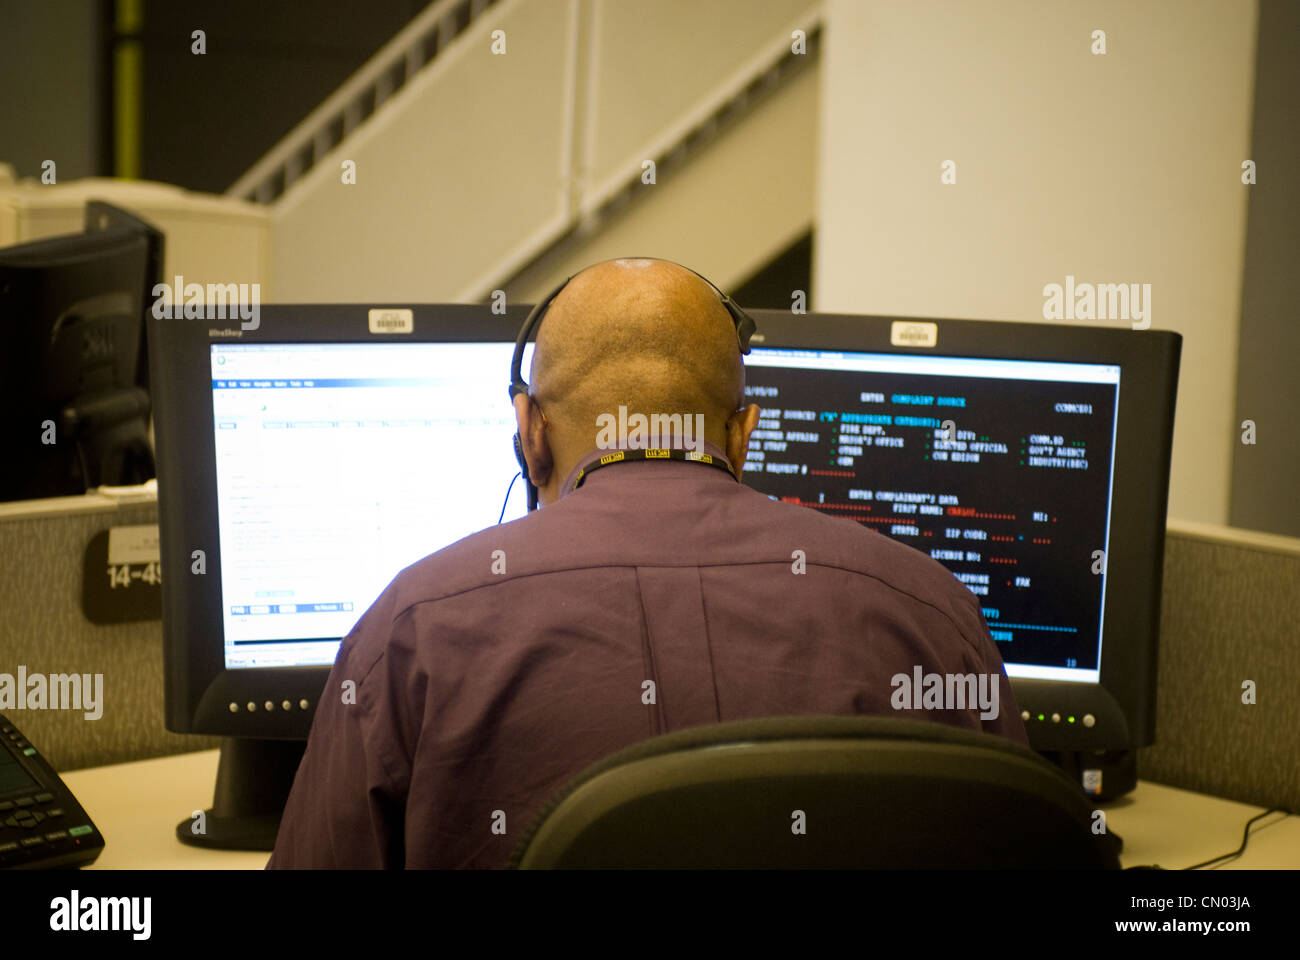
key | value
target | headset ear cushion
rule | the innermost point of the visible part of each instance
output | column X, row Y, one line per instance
column 519, row 455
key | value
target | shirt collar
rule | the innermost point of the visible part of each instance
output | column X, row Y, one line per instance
column 590, row 458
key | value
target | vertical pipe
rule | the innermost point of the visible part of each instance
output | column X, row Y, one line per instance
column 127, row 88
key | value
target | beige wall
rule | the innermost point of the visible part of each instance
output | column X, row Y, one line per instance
column 1116, row 168
column 725, row 213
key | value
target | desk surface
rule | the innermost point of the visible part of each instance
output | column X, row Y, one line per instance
column 137, row 806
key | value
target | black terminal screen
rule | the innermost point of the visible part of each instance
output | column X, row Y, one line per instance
column 999, row 469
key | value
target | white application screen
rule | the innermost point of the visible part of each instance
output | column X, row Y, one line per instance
column 340, row 464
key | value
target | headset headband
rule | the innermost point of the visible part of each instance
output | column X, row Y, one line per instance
column 745, row 325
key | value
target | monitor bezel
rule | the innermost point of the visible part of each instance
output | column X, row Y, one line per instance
column 199, row 688
column 1123, row 703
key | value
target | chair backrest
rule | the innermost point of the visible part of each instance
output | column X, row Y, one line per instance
column 814, row 791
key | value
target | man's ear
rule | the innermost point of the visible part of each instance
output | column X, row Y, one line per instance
column 532, row 435
column 739, row 426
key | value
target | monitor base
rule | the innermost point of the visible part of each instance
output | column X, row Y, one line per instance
column 253, row 782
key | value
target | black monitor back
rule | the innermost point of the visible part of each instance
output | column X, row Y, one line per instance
column 71, row 324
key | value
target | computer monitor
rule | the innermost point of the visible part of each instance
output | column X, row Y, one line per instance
column 71, row 324
column 302, row 465
column 103, row 216
column 1030, row 459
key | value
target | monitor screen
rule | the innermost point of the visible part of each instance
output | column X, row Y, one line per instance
column 1002, row 470
column 339, row 464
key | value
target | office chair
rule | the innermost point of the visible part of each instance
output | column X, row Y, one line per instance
column 818, row 792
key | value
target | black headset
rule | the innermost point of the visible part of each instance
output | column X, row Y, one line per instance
column 745, row 327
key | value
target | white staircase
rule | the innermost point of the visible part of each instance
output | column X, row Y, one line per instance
column 494, row 141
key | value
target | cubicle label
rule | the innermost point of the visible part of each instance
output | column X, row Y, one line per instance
column 122, row 575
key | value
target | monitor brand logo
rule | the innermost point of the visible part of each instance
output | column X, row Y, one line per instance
column 97, row 343
column 392, row 321
column 913, row 333
column 213, row 301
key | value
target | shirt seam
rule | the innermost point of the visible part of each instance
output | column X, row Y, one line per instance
column 658, row 723
column 698, row 566
column 395, row 780
column 708, row 647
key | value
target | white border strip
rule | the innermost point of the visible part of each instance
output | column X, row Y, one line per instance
column 910, row 363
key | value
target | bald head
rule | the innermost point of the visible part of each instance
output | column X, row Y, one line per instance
column 647, row 335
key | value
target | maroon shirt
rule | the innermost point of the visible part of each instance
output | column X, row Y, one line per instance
column 484, row 681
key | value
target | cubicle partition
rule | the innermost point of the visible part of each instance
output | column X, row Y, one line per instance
column 45, row 583
column 1227, row 709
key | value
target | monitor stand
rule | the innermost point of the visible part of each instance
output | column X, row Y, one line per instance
column 1104, row 775
column 253, row 781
